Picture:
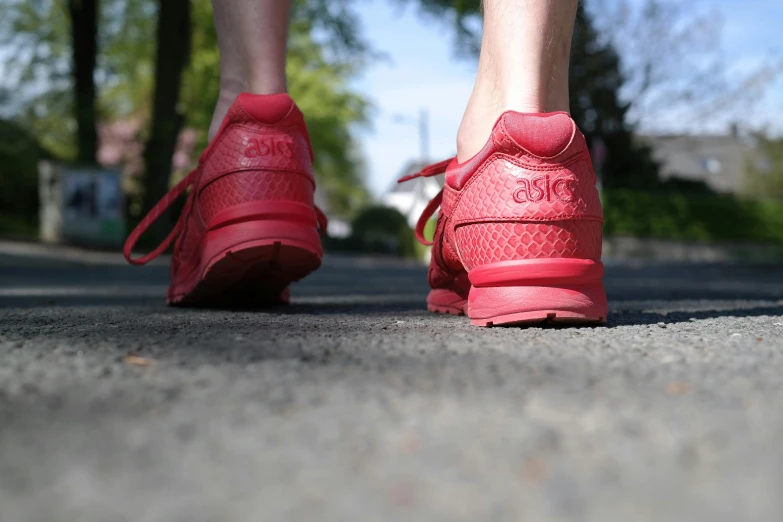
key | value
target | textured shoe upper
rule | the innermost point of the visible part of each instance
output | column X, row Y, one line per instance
column 251, row 150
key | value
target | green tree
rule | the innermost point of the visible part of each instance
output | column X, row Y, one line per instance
column 19, row 156
column 37, row 43
column 331, row 108
column 382, row 230
column 54, row 42
column 84, row 52
column 325, row 51
column 173, row 37
column 674, row 65
column 764, row 171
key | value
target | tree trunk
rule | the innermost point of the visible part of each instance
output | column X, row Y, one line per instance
column 172, row 56
column 84, row 29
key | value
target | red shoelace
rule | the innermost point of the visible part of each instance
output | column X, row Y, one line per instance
column 432, row 170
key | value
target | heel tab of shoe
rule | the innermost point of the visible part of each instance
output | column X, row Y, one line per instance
column 545, row 135
column 266, row 108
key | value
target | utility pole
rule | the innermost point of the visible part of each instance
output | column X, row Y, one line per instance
column 424, row 135
column 423, row 124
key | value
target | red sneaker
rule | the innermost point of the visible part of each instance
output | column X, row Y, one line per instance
column 518, row 237
column 249, row 227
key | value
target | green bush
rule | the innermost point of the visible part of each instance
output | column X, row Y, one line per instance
column 693, row 217
column 381, row 230
column 19, row 155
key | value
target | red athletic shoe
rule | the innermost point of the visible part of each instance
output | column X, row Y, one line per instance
column 249, row 227
column 518, row 238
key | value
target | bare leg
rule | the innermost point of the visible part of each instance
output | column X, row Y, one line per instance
column 252, row 36
column 523, row 65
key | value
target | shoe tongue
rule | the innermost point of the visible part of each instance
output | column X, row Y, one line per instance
column 266, row 108
column 544, row 135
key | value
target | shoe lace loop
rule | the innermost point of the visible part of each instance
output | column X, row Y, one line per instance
column 431, row 170
column 154, row 214
column 323, row 221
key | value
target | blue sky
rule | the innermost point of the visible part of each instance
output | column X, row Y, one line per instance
column 423, row 72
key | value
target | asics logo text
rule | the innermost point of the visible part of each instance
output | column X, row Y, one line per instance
column 547, row 188
column 269, row 147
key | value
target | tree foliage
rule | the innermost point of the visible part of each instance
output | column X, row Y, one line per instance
column 325, row 51
column 19, row 156
column 173, row 50
column 382, row 230
column 764, row 171
column 674, row 65
column 37, row 71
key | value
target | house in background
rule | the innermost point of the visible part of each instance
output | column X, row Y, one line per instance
column 410, row 198
column 717, row 160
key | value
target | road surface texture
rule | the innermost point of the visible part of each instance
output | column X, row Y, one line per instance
column 355, row 404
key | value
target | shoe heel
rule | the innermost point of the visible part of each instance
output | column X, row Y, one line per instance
column 564, row 291
column 252, row 257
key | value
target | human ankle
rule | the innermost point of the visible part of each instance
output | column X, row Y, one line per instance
column 266, row 84
column 231, row 87
column 226, row 98
column 523, row 65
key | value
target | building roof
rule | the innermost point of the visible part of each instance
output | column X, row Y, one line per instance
column 717, row 160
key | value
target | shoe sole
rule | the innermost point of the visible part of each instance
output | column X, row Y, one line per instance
column 252, row 263
column 444, row 301
column 532, row 292
column 539, row 317
column 254, row 274
column 530, row 318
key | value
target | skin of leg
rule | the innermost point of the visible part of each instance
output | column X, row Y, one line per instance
column 523, row 65
column 252, row 38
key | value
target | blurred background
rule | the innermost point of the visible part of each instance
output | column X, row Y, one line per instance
column 104, row 104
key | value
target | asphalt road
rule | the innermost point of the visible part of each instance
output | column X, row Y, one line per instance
column 355, row 404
